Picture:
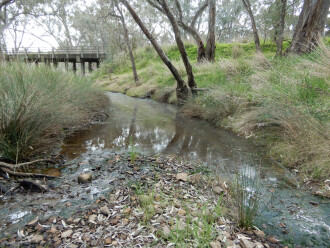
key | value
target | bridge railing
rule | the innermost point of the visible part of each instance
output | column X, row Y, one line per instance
column 63, row 50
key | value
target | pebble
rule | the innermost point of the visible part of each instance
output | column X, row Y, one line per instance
column 273, row 240
column 182, row 177
column 86, row 238
column 53, row 229
column 182, row 212
column 215, row 244
column 105, row 211
column 166, row 231
column 245, row 243
column 85, row 178
column 259, row 233
column 66, row 234
column 107, row 241
column 127, row 211
column 33, row 222
column 218, row 190
column 36, row 239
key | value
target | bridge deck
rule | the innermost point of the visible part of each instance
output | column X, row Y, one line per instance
column 75, row 54
column 67, row 55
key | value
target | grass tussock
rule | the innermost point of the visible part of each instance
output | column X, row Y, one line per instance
column 281, row 103
column 37, row 103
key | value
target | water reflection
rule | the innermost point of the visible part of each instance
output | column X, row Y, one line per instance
column 158, row 128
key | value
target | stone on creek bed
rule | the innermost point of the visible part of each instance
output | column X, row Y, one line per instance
column 85, row 178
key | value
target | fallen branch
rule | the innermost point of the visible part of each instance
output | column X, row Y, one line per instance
column 200, row 89
column 22, row 174
column 15, row 166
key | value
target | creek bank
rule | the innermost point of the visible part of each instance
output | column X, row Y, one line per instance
column 194, row 109
column 157, row 201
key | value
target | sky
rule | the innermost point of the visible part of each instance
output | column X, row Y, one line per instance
column 34, row 36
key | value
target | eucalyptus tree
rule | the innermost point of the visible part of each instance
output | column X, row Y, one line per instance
column 165, row 8
column 116, row 11
column 210, row 44
column 10, row 11
column 188, row 24
column 280, row 31
column 247, row 6
column 182, row 91
column 228, row 20
column 310, row 26
column 57, row 19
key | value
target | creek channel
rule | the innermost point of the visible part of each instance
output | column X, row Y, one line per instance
column 151, row 127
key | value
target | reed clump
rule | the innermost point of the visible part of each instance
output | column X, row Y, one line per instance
column 37, row 103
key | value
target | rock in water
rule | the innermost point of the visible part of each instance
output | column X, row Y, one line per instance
column 85, row 178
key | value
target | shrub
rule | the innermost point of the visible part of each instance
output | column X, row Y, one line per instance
column 37, row 103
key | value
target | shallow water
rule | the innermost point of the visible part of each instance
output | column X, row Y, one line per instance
column 151, row 127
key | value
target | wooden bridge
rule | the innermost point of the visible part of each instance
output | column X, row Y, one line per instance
column 66, row 55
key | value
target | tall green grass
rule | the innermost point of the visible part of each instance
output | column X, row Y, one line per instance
column 36, row 104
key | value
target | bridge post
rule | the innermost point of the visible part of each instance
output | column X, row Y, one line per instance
column 82, row 64
column 54, row 60
column 67, row 60
column 39, row 57
column 26, row 56
column 90, row 68
column 74, row 66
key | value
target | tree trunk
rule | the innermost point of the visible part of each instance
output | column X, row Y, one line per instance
column 247, row 6
column 310, row 26
column 182, row 91
column 210, row 44
column 199, row 42
column 279, row 40
column 129, row 47
column 179, row 42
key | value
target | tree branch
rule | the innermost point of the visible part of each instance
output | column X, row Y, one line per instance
column 153, row 4
column 5, row 3
column 199, row 12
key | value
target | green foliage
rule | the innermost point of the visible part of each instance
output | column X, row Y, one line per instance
column 132, row 151
column 36, row 104
column 199, row 227
column 247, row 197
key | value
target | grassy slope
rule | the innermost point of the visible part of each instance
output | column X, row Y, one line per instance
column 281, row 103
column 37, row 103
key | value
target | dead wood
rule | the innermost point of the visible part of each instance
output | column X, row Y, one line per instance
column 16, row 166
column 23, row 174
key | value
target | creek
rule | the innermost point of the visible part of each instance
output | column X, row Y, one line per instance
column 151, row 127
